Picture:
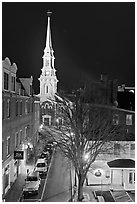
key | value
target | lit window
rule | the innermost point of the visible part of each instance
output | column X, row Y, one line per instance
column 6, row 81
column 128, row 119
column 12, row 83
column 115, row 119
column 116, row 149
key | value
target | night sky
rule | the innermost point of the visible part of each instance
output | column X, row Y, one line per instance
column 88, row 39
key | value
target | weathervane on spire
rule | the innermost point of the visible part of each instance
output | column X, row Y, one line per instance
column 49, row 13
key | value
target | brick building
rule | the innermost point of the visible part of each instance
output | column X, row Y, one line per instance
column 20, row 122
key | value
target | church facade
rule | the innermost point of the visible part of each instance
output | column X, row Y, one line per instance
column 48, row 82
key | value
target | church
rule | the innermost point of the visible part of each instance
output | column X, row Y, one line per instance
column 49, row 97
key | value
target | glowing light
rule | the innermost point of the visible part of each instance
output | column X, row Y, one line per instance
column 86, row 156
column 41, row 126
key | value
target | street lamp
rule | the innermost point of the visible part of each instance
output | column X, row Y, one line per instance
column 41, row 127
column 99, row 174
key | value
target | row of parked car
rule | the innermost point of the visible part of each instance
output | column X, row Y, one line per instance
column 33, row 180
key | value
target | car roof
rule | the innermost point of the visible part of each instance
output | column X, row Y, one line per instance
column 41, row 161
column 33, row 173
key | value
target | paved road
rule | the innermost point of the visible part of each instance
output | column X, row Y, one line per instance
column 58, row 182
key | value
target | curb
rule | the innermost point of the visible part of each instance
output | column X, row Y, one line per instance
column 40, row 200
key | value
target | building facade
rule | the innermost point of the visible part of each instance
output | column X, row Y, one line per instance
column 20, row 122
column 117, row 165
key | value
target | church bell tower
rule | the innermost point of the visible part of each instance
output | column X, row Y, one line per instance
column 48, row 79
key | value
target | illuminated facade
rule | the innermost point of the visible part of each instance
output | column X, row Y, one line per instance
column 20, row 122
column 48, row 79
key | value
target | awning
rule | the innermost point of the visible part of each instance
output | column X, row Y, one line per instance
column 121, row 163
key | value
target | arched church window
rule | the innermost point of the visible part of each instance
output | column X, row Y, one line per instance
column 46, row 89
column 50, row 107
column 52, row 73
column 46, row 106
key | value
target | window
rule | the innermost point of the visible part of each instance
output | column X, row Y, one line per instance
column 8, row 145
column 132, row 150
column 50, row 107
column 32, row 107
column 115, row 119
column 128, row 119
column 26, row 111
column 8, row 108
column 46, row 89
column 27, row 131
column 116, row 149
column 46, row 106
column 20, row 107
column 132, row 147
column 16, row 139
column 16, row 108
column 131, row 177
column 20, row 138
column 6, row 81
column 28, row 107
column 12, row 83
column 46, row 121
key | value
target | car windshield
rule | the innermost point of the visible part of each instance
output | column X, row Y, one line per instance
column 41, row 165
column 32, row 178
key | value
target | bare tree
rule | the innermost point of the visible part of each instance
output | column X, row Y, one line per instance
column 88, row 130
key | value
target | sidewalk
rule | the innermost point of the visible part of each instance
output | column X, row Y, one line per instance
column 87, row 191
column 14, row 193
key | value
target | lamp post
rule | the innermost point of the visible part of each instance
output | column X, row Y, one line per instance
column 99, row 174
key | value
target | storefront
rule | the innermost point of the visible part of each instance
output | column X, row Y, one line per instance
column 122, row 174
column 6, row 179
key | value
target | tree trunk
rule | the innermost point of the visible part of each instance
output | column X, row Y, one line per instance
column 80, row 187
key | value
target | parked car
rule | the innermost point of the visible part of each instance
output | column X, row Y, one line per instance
column 32, row 184
column 41, row 166
column 49, row 147
column 44, row 155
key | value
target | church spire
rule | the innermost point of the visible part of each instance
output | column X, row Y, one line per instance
column 48, row 79
column 48, row 39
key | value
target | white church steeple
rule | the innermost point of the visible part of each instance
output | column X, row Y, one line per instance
column 48, row 79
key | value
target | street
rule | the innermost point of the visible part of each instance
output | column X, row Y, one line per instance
column 58, row 181
column 56, row 186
